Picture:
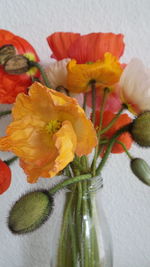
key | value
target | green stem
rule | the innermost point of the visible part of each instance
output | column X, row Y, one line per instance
column 73, row 236
column 100, row 150
column 63, row 237
column 42, row 71
column 67, row 171
column 110, row 145
column 78, row 212
column 103, row 142
column 69, row 181
column 4, row 113
column 78, row 241
column 85, row 164
column 106, row 91
column 125, row 149
column 95, row 259
column 85, row 237
column 104, row 130
column 78, row 166
column 11, row 160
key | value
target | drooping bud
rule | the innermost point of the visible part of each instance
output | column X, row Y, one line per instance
column 6, row 51
column 17, row 65
column 140, row 129
column 141, row 170
column 30, row 212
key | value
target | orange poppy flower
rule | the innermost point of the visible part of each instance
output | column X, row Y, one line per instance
column 123, row 120
column 104, row 73
column 5, row 177
column 11, row 85
column 85, row 48
column 48, row 129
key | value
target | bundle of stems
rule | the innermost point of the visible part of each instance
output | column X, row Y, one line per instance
column 78, row 243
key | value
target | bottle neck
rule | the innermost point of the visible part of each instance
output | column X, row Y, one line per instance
column 95, row 184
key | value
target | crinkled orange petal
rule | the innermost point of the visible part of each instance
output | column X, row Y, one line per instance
column 28, row 139
column 105, row 72
column 89, row 47
column 60, row 42
column 45, row 153
column 53, row 105
column 93, row 46
column 65, row 145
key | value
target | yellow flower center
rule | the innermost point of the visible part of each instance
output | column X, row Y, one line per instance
column 32, row 71
column 53, row 126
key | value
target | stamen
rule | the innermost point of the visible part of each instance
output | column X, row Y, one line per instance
column 53, row 126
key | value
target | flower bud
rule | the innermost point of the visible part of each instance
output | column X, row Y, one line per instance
column 17, row 65
column 30, row 212
column 140, row 129
column 141, row 170
column 6, row 51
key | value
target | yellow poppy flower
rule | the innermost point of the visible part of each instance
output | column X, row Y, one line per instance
column 48, row 129
column 104, row 73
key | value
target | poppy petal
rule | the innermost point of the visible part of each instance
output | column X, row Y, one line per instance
column 60, row 42
column 5, row 177
column 93, row 46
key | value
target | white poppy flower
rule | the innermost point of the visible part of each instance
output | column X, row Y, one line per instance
column 135, row 86
column 57, row 73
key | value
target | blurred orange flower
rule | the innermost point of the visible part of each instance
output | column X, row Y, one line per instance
column 48, row 129
column 123, row 120
column 11, row 85
column 104, row 73
column 5, row 176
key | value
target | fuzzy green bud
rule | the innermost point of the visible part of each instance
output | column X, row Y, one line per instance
column 141, row 170
column 140, row 129
column 30, row 212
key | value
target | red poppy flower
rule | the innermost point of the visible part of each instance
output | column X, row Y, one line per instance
column 5, row 177
column 123, row 120
column 85, row 48
column 11, row 85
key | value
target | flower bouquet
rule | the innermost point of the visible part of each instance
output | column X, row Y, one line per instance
column 67, row 118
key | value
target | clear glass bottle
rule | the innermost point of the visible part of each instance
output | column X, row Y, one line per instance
column 82, row 237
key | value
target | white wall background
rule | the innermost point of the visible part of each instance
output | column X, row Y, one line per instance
column 126, row 200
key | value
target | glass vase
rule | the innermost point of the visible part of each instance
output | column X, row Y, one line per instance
column 81, row 237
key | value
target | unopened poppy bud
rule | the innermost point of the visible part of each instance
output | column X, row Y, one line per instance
column 141, row 170
column 140, row 129
column 6, row 51
column 17, row 65
column 30, row 212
